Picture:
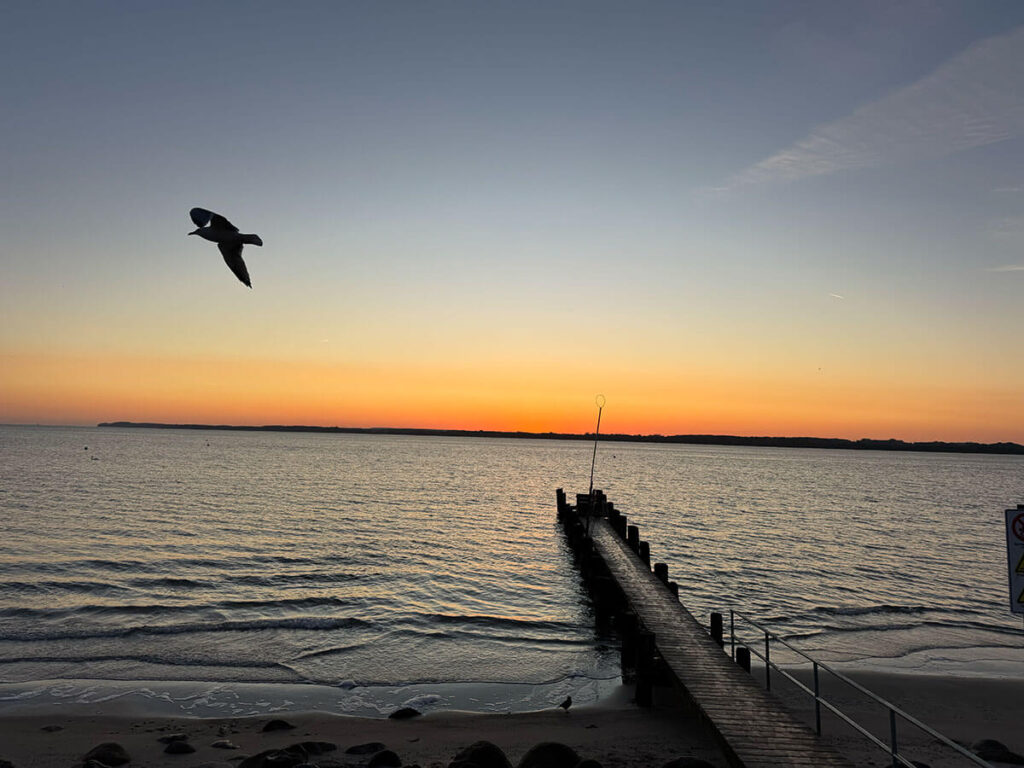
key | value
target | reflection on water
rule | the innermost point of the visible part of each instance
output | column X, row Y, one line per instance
column 283, row 557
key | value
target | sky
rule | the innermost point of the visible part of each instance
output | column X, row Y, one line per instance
column 784, row 218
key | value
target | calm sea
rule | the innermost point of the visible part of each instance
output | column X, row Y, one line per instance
column 370, row 564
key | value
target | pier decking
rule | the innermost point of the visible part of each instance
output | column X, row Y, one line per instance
column 751, row 725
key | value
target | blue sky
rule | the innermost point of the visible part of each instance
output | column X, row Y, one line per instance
column 761, row 190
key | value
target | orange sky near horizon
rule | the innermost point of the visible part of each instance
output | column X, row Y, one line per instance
column 50, row 389
column 801, row 219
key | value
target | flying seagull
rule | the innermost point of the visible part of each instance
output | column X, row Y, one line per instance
column 217, row 229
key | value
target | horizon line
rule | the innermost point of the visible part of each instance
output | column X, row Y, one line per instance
column 804, row 441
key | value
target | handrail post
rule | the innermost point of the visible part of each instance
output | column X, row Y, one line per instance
column 817, row 701
column 767, row 664
column 732, row 635
column 892, row 734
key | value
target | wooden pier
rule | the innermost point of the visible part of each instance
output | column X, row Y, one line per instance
column 662, row 641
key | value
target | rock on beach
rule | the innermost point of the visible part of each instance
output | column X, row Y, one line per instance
column 109, row 753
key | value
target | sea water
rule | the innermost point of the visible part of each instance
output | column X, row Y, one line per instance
column 253, row 571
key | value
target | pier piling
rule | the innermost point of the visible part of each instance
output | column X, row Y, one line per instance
column 717, row 629
column 643, row 549
column 663, row 643
column 743, row 657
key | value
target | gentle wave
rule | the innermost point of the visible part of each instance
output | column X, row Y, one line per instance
column 142, row 659
column 871, row 610
column 303, row 623
column 890, row 627
column 86, row 587
column 164, row 564
column 81, row 611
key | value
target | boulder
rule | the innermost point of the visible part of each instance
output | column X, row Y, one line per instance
column 366, row 749
column 275, row 758
column 109, row 753
column 277, row 725
column 224, row 744
column 482, row 754
column 315, row 747
column 179, row 748
column 173, row 737
column 404, row 713
column 284, row 758
column 549, row 754
column 992, row 750
column 385, row 759
column 6, row 764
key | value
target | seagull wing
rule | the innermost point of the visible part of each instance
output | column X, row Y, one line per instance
column 202, row 217
column 233, row 258
column 219, row 222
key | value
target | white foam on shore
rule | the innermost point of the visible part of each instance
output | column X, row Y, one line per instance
column 202, row 700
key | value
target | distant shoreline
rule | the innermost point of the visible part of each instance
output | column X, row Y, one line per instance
column 772, row 442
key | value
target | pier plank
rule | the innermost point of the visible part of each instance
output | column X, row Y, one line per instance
column 753, row 728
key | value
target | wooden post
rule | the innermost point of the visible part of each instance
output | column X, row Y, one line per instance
column 594, row 567
column 633, row 537
column 644, row 551
column 717, row 629
column 629, row 627
column 620, row 524
column 743, row 657
column 674, row 589
column 645, row 669
column 602, row 591
column 661, row 571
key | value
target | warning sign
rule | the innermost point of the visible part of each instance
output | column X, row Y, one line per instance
column 1015, row 556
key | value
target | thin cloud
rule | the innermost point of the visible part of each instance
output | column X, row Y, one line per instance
column 1008, row 190
column 972, row 100
column 1007, row 268
column 836, row 296
column 1008, row 226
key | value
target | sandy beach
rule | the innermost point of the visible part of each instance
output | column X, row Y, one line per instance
column 615, row 732
column 964, row 709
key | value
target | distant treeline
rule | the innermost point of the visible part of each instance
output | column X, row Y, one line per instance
column 777, row 442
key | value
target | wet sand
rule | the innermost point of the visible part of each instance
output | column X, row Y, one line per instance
column 615, row 732
column 964, row 709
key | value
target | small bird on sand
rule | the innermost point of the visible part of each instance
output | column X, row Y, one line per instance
column 567, row 703
column 217, row 229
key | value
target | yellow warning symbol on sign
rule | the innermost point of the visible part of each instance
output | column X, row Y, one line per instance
column 1020, row 565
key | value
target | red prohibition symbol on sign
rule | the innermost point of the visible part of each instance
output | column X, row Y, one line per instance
column 1018, row 526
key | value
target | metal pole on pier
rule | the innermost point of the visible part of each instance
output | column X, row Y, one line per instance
column 599, row 400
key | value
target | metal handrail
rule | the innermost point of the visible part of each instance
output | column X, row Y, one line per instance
column 891, row 747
